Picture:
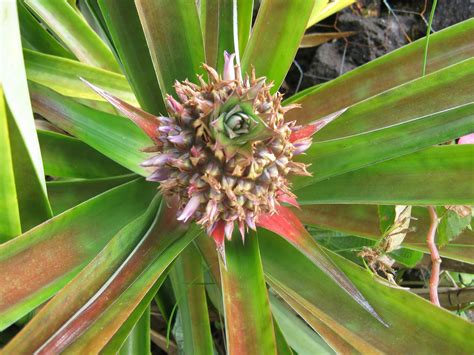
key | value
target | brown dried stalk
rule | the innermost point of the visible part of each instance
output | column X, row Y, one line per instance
column 435, row 258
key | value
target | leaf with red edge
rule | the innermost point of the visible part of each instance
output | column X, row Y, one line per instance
column 218, row 234
column 147, row 122
column 311, row 128
column 287, row 225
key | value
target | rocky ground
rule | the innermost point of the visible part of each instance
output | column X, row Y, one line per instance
column 380, row 25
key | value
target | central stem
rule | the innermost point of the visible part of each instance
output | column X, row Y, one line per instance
column 249, row 324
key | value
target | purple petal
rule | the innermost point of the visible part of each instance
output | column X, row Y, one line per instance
column 178, row 139
column 158, row 160
column 174, row 105
column 167, row 129
column 468, row 139
column 159, row 174
column 242, row 230
column 166, row 120
column 211, row 209
column 302, row 146
column 250, row 222
column 190, row 208
column 229, row 229
column 229, row 71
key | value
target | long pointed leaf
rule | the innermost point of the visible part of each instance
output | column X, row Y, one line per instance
column 412, row 320
column 25, row 163
column 287, row 225
column 420, row 97
column 100, row 318
column 127, row 35
column 173, row 34
column 299, row 335
column 339, row 156
column 275, row 38
column 138, row 342
column 72, row 297
column 114, row 136
column 45, row 258
column 74, row 31
column 188, row 284
column 67, row 194
column 249, row 326
column 447, row 47
column 65, row 156
column 435, row 176
column 35, row 36
column 10, row 223
column 62, row 75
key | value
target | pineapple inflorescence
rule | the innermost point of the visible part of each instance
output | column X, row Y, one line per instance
column 225, row 150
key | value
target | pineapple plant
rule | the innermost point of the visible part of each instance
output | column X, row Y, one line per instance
column 183, row 186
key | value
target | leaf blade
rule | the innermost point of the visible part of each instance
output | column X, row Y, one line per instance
column 35, row 252
column 74, row 31
column 279, row 24
column 401, row 309
column 176, row 54
column 420, row 178
column 127, row 35
column 447, row 47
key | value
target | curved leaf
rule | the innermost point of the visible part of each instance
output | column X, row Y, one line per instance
column 73, row 296
column 62, row 75
column 420, row 97
column 135, row 281
column 287, row 225
column 332, row 158
column 35, row 36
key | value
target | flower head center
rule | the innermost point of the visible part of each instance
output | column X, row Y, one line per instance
column 225, row 151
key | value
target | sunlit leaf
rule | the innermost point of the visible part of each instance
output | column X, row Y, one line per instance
column 74, row 31
column 23, row 169
column 62, row 75
column 35, row 36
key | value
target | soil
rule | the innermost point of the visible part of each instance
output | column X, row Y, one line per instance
column 380, row 26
